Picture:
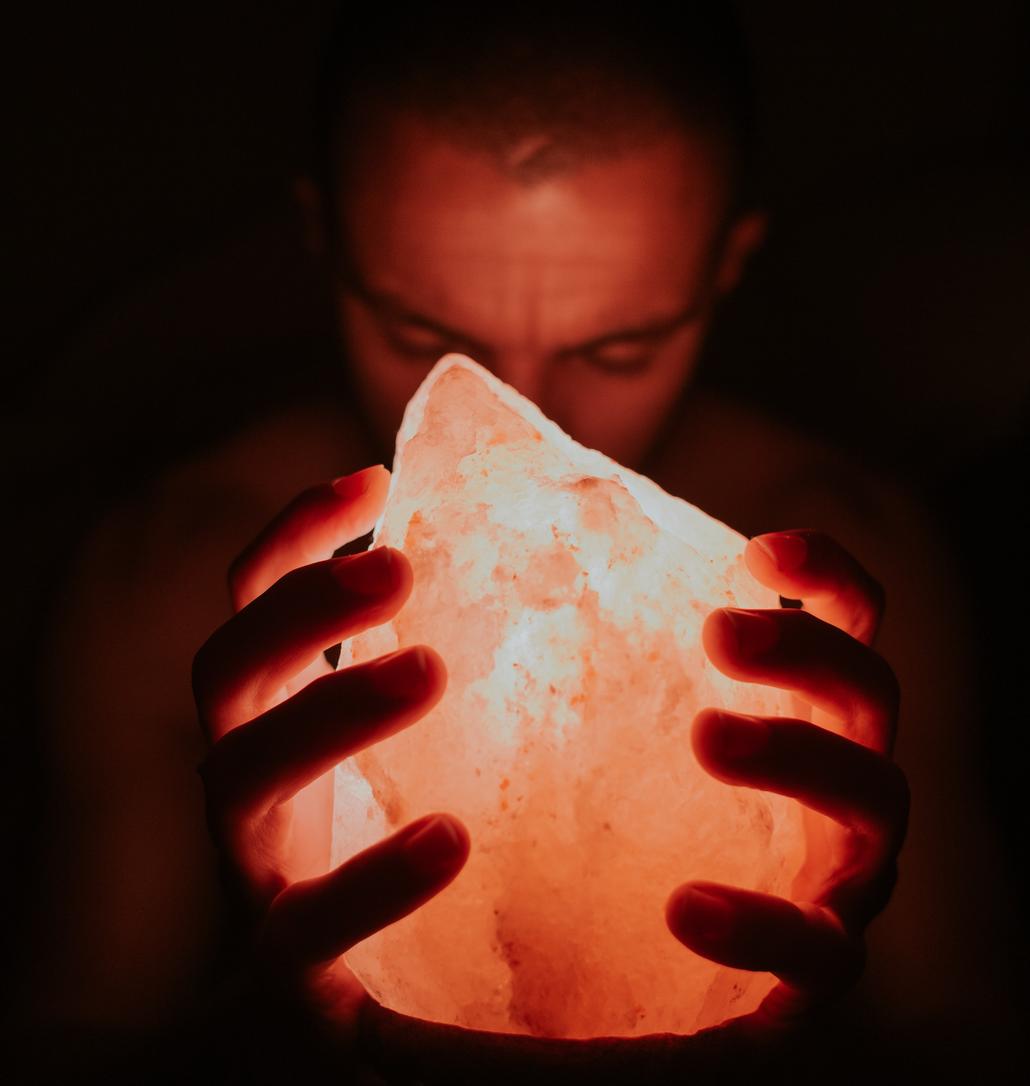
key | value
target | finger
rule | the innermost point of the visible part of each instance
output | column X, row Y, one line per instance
column 266, row 762
column 858, row 788
column 316, row 920
column 241, row 669
column 810, row 566
column 806, row 947
column 310, row 529
column 826, row 667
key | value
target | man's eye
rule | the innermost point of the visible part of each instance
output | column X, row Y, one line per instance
column 625, row 357
column 410, row 339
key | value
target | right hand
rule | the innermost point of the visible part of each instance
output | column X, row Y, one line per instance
column 278, row 719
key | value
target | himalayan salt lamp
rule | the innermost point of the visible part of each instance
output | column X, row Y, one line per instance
column 566, row 595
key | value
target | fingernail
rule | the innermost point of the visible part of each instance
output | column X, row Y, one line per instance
column 403, row 675
column 755, row 633
column 786, row 552
column 704, row 915
column 741, row 737
column 355, row 484
column 370, row 574
column 435, row 848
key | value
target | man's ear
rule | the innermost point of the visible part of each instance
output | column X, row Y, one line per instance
column 745, row 236
column 312, row 214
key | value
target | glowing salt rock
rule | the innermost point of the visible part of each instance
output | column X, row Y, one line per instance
column 566, row 595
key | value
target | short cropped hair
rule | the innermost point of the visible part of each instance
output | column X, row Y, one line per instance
column 542, row 88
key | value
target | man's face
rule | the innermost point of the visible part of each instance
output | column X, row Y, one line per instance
column 590, row 293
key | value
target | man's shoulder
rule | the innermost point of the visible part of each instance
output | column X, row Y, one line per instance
column 158, row 560
column 263, row 465
column 148, row 583
column 221, row 496
column 756, row 471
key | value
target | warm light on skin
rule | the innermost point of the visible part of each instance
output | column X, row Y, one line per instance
column 589, row 292
column 566, row 596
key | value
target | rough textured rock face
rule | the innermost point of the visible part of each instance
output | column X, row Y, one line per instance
column 566, row 595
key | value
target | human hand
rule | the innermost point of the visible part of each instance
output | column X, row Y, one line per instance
column 279, row 718
column 814, row 945
column 843, row 771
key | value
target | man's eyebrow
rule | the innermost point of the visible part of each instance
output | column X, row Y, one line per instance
column 659, row 326
column 396, row 307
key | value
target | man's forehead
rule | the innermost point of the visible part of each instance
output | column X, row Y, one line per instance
column 405, row 160
column 438, row 224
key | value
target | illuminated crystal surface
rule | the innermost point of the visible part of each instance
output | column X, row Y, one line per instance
column 566, row 595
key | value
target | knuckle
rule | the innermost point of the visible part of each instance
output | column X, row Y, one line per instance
column 300, row 589
column 880, row 891
column 886, row 817
column 236, row 578
column 803, row 624
column 880, row 686
column 890, row 688
column 202, row 672
column 213, row 777
column 805, row 620
column 311, row 498
column 228, row 792
column 294, row 579
column 291, row 524
column 208, row 677
column 877, row 595
column 834, row 956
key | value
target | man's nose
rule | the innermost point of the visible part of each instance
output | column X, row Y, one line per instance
column 526, row 372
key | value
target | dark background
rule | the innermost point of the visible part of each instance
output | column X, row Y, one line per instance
column 158, row 286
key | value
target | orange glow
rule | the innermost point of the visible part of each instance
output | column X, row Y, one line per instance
column 566, row 595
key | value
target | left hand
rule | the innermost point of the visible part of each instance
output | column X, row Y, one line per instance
column 823, row 655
